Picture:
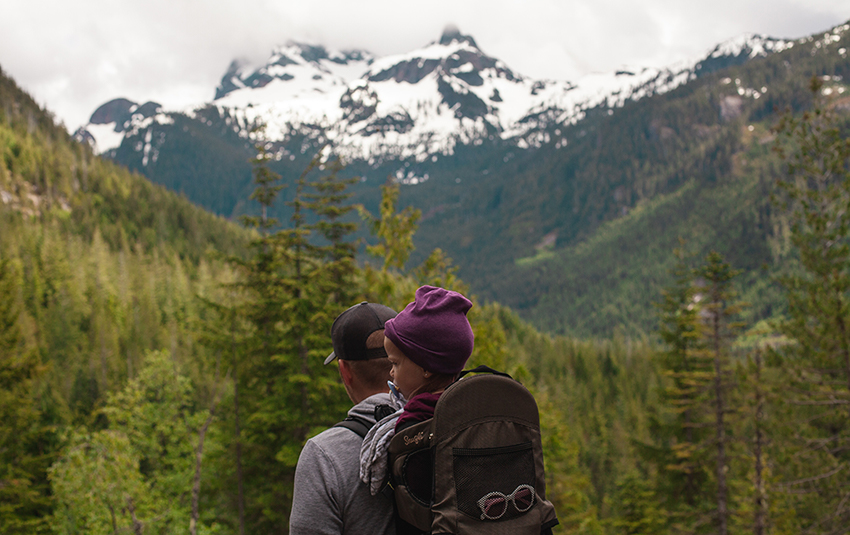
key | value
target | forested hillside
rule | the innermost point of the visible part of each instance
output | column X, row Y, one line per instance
column 160, row 368
column 574, row 233
column 130, row 350
column 578, row 238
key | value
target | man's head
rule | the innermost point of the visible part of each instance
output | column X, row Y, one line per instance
column 358, row 342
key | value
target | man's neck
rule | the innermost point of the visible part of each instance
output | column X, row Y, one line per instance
column 358, row 397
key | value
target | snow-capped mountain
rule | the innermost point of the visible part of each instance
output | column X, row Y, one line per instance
column 113, row 120
column 415, row 105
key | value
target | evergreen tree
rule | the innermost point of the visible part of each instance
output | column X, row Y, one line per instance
column 297, row 279
column 261, row 308
column 640, row 513
column 680, row 427
column 816, row 194
column 328, row 203
column 394, row 231
column 25, row 437
column 756, row 439
column 719, row 330
column 98, row 487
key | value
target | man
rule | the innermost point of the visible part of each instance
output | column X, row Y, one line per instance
column 329, row 497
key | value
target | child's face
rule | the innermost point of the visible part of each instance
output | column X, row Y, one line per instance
column 406, row 374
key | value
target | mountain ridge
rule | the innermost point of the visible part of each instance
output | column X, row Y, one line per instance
column 421, row 103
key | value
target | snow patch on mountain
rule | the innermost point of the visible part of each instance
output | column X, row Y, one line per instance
column 751, row 44
column 103, row 137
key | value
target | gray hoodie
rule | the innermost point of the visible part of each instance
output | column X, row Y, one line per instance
column 329, row 498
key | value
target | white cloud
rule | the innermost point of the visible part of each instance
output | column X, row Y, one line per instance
column 73, row 56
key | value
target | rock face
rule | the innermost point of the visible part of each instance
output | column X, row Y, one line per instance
column 121, row 110
column 114, row 111
column 730, row 107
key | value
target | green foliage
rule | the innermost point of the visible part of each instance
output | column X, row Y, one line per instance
column 567, row 484
column 393, row 229
column 142, row 466
column 679, row 424
column 25, row 432
column 292, row 286
column 640, row 512
column 719, row 330
column 97, row 267
column 98, row 487
column 817, row 194
column 154, row 411
column 437, row 270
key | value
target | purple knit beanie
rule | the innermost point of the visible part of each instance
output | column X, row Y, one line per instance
column 433, row 331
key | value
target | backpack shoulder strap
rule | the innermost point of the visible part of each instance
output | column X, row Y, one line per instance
column 484, row 369
column 361, row 426
column 358, row 425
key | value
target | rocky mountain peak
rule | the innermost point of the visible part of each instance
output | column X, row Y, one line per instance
column 455, row 56
column 120, row 110
column 451, row 34
column 294, row 60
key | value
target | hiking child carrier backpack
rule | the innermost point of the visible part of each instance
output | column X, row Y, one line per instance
column 476, row 466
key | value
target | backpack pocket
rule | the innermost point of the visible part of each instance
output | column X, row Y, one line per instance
column 417, row 476
column 495, row 484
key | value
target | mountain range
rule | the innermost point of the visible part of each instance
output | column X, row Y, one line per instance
column 410, row 106
column 540, row 190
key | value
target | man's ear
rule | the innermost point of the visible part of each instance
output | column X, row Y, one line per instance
column 345, row 373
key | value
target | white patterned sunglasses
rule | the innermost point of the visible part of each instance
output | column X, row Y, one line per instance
column 494, row 505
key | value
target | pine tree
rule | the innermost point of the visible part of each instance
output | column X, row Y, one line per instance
column 816, row 195
column 394, row 231
column 261, row 309
column 297, row 279
column 327, row 202
column 719, row 330
column 640, row 513
column 680, row 427
column 25, row 439
column 224, row 332
column 756, row 438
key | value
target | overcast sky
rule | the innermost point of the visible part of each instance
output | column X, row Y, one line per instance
column 73, row 55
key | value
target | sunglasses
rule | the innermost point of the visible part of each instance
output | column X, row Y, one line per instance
column 494, row 505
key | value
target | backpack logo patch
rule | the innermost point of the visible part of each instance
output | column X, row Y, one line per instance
column 415, row 439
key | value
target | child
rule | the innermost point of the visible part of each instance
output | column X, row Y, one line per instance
column 428, row 344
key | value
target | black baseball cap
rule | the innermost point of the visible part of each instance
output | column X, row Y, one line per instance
column 351, row 329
